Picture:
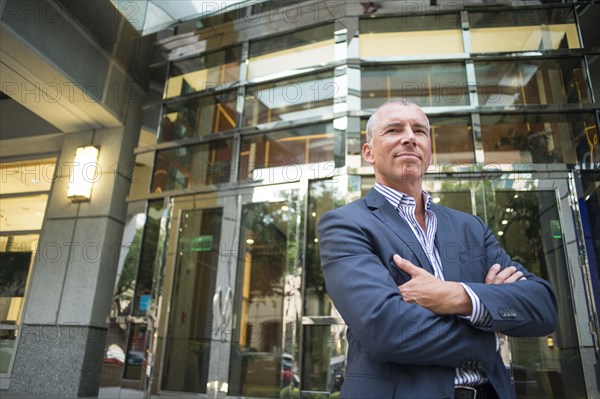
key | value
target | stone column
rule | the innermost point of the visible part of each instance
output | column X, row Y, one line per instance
column 62, row 338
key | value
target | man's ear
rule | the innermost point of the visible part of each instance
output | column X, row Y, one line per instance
column 366, row 153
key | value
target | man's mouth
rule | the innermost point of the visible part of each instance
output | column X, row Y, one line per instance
column 407, row 154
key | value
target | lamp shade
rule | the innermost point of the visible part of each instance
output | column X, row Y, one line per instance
column 84, row 174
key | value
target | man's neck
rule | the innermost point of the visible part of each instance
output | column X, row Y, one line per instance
column 414, row 190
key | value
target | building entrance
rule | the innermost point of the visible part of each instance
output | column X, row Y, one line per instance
column 245, row 312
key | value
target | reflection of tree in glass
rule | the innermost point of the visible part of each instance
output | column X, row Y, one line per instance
column 269, row 233
column 533, row 236
column 537, row 143
column 124, row 291
column 324, row 196
column 522, row 216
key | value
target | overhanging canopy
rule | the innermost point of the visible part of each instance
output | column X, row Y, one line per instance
column 149, row 16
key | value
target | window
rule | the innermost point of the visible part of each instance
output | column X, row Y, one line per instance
column 193, row 166
column 429, row 85
column 284, row 100
column 532, row 81
column 204, row 72
column 23, row 199
column 539, row 138
column 292, row 51
column 452, row 139
column 296, row 146
column 410, row 36
column 203, row 116
column 523, row 30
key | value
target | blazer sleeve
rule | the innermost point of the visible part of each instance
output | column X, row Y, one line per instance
column 370, row 303
column 525, row 308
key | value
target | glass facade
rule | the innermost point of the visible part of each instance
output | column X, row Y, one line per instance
column 301, row 98
column 419, row 35
column 203, row 72
column 418, row 82
column 203, row 116
column 192, row 166
column 532, row 81
column 538, row 138
column 291, row 52
column 260, row 138
column 285, row 149
column 518, row 31
column 24, row 193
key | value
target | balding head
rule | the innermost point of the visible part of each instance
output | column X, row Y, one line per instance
column 372, row 122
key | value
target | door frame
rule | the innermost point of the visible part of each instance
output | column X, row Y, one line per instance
column 232, row 203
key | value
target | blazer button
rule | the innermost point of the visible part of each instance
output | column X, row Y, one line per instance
column 507, row 313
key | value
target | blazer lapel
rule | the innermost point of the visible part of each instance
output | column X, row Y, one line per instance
column 386, row 213
column 449, row 248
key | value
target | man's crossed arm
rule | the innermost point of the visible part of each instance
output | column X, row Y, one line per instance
column 446, row 297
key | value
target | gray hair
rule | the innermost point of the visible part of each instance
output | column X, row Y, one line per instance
column 372, row 122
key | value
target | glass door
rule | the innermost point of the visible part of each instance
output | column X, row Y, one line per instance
column 197, row 295
column 532, row 219
column 188, row 346
column 263, row 358
column 233, row 295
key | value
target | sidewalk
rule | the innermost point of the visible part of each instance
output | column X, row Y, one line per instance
column 7, row 395
column 104, row 394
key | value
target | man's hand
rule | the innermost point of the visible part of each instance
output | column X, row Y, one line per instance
column 508, row 275
column 441, row 297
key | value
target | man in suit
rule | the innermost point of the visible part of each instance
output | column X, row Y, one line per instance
column 423, row 288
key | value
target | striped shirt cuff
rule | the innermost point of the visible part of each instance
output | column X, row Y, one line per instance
column 480, row 316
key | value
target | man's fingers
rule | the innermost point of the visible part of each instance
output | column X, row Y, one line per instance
column 505, row 274
column 492, row 273
column 406, row 266
column 508, row 275
column 514, row 277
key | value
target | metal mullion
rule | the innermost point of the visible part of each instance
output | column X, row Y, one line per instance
column 240, row 104
column 477, row 138
column 6, row 233
column 24, row 194
column 586, row 70
column 167, row 303
column 479, row 156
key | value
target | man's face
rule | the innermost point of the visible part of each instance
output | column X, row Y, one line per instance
column 400, row 150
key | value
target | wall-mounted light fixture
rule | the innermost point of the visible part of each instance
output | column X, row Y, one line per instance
column 550, row 342
column 84, row 174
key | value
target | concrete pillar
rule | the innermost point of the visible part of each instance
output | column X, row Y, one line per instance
column 62, row 337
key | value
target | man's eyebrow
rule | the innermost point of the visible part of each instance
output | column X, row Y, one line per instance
column 401, row 124
column 394, row 124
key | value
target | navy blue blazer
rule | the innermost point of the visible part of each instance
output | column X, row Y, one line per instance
column 400, row 350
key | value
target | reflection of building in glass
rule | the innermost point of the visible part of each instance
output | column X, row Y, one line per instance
column 229, row 135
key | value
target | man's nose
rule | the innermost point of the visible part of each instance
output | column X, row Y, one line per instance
column 409, row 137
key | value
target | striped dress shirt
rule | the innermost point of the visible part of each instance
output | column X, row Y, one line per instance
column 406, row 205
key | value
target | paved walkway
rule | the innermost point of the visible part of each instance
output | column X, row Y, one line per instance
column 104, row 394
column 7, row 395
